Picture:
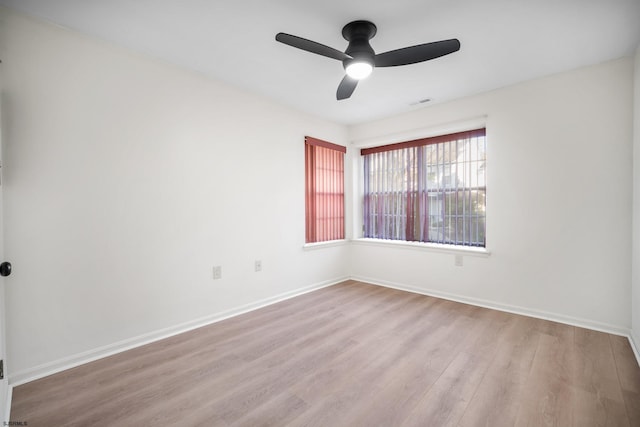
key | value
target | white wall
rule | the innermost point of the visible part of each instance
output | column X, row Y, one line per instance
column 635, row 300
column 558, row 200
column 125, row 180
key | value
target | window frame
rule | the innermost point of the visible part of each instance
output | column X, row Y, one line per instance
column 467, row 245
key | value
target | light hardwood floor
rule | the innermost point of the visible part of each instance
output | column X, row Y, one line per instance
column 353, row 355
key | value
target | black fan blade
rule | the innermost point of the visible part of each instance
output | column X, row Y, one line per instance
column 346, row 87
column 311, row 46
column 419, row 53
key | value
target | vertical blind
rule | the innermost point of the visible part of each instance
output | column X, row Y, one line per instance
column 427, row 190
column 324, row 182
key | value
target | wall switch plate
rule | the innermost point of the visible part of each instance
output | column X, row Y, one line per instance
column 217, row 272
column 258, row 265
column 458, row 261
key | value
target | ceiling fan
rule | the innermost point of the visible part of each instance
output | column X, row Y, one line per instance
column 359, row 59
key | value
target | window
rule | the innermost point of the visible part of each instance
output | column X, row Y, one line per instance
column 428, row 190
column 324, row 183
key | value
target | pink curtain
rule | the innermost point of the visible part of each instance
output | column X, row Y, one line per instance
column 324, row 183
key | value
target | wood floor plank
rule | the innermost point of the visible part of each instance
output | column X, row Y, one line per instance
column 594, row 409
column 497, row 399
column 282, row 410
column 594, row 368
column 628, row 375
column 352, row 354
column 632, row 404
column 402, row 392
column 626, row 364
column 413, row 375
column 446, row 401
column 548, row 388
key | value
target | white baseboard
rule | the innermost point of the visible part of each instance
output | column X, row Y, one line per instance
column 7, row 409
column 539, row 314
column 46, row 369
column 634, row 342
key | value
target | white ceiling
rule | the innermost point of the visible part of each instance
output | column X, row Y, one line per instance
column 503, row 42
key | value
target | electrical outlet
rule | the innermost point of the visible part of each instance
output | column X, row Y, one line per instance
column 258, row 265
column 217, row 272
column 458, row 261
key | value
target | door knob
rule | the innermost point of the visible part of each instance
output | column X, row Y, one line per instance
column 5, row 269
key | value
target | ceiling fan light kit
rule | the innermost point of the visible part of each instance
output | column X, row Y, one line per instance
column 359, row 69
column 359, row 59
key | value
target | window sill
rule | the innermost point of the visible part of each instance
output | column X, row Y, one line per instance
column 322, row 245
column 429, row 247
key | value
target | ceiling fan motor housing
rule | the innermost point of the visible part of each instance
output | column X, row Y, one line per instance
column 358, row 34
